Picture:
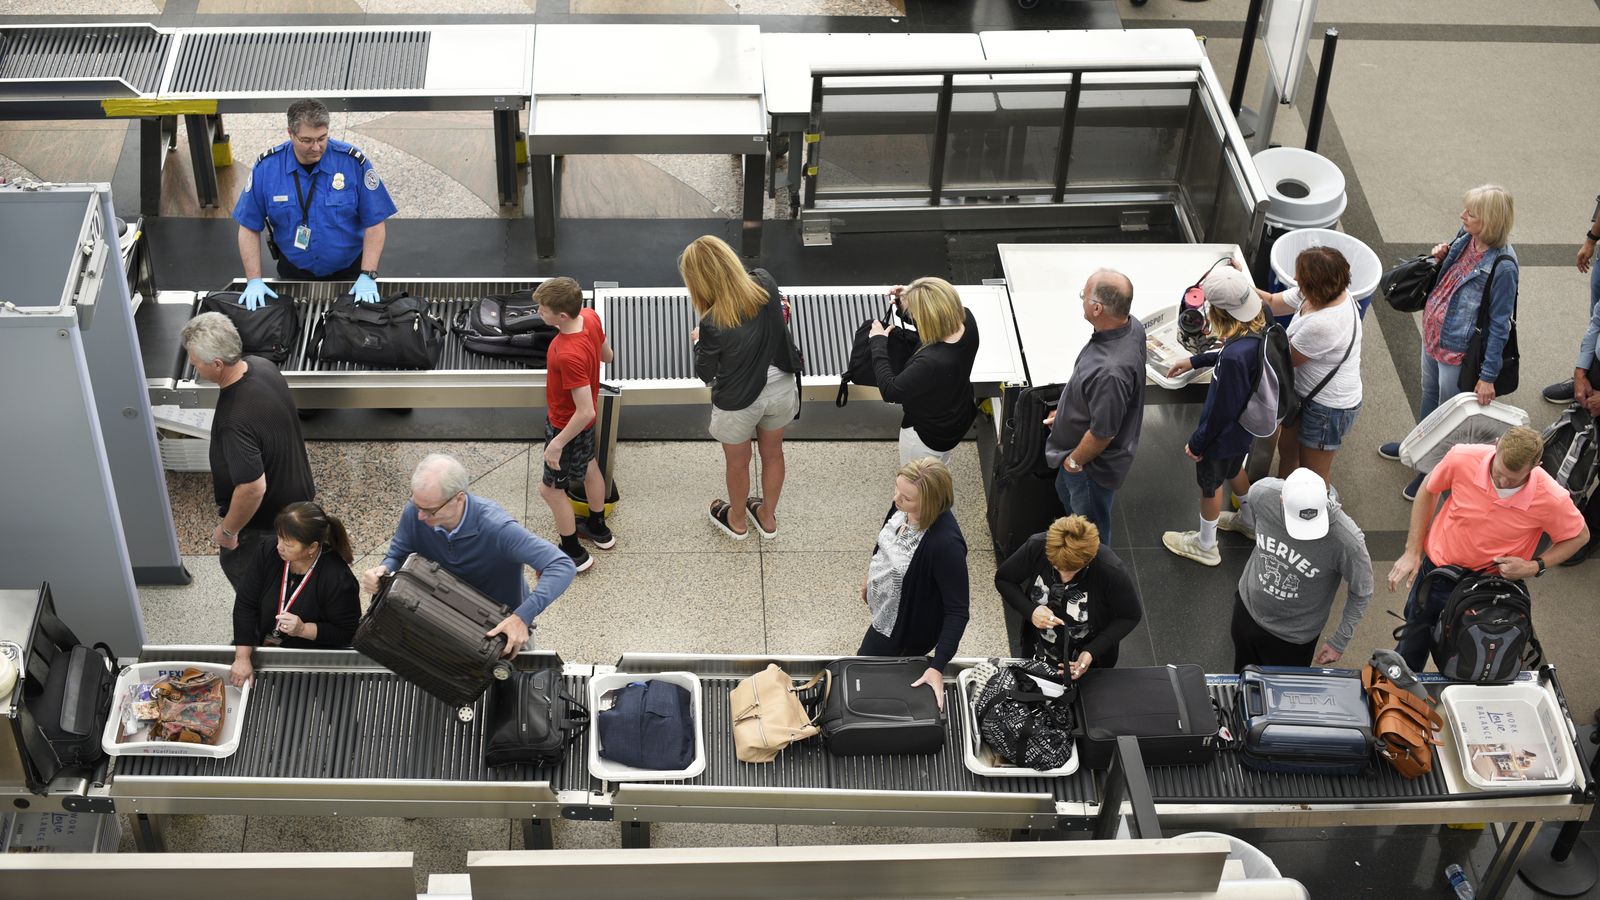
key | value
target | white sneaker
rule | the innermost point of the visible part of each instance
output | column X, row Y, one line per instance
column 1234, row 522
column 1187, row 544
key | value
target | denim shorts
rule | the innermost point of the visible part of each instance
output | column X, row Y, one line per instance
column 1323, row 427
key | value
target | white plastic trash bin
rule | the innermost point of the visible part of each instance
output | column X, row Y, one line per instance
column 1304, row 190
column 1257, row 865
column 1365, row 269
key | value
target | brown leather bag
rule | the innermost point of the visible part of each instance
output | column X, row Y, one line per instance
column 1403, row 723
column 768, row 715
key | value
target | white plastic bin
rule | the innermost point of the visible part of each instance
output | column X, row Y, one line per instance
column 1257, row 865
column 1162, row 349
column 1365, row 268
column 1458, row 420
column 1304, row 189
column 232, row 722
column 607, row 770
column 980, row 759
column 1509, row 736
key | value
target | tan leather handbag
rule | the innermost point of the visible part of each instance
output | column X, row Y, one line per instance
column 1403, row 723
column 768, row 716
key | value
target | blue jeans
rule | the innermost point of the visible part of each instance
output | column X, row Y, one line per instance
column 1421, row 614
column 1439, row 382
column 1082, row 496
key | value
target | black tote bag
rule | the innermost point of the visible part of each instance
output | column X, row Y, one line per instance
column 1506, row 382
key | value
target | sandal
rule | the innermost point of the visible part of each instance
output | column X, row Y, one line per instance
column 719, row 517
column 754, row 505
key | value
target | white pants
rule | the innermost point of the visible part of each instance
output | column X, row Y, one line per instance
column 912, row 447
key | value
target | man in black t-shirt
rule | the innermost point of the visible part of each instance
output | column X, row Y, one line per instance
column 258, row 458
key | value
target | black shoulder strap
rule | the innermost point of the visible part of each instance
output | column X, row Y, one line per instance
column 1488, row 298
column 1354, row 329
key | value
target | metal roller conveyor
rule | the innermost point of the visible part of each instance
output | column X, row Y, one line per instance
column 46, row 68
column 330, row 732
column 649, row 330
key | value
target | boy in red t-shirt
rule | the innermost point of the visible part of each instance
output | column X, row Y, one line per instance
column 571, row 393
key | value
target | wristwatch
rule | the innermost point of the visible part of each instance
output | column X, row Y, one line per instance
column 1540, row 561
column 370, row 273
column 1591, row 236
column 1072, row 464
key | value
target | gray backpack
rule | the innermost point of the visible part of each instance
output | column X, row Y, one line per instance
column 1272, row 397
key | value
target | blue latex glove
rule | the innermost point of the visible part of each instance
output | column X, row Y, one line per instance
column 255, row 294
column 366, row 290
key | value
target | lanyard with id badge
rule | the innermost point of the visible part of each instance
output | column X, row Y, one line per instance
column 302, row 234
column 286, row 600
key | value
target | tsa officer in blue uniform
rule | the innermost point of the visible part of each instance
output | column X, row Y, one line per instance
column 323, row 206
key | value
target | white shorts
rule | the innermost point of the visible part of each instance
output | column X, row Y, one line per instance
column 912, row 447
column 772, row 409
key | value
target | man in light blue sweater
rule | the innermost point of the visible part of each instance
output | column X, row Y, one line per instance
column 476, row 540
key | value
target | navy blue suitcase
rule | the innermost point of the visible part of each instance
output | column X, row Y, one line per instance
column 1305, row 721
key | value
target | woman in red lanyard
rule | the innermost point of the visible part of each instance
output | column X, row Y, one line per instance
column 299, row 593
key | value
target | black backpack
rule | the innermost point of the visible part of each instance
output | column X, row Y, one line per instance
column 268, row 332
column 903, row 342
column 506, row 326
column 1485, row 633
column 397, row 333
column 1570, row 454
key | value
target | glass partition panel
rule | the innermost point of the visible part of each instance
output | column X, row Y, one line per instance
column 1005, row 136
column 1128, row 133
column 1202, row 176
column 877, row 136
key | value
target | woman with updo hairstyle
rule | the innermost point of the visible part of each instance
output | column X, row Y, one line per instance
column 1065, row 576
column 298, row 593
column 934, row 389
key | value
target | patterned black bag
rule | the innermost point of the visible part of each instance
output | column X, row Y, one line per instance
column 1021, row 724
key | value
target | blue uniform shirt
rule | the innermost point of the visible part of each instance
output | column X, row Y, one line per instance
column 347, row 199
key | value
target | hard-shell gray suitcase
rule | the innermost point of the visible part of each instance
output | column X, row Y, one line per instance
column 428, row 627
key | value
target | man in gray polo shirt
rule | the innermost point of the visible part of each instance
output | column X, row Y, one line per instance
column 1095, row 428
column 1305, row 545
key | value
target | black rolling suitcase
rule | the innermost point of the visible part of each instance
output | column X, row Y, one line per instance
column 427, row 626
column 1303, row 721
column 1168, row 708
column 1023, row 499
column 872, row 708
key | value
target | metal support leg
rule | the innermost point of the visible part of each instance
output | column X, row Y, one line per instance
column 755, row 165
column 149, row 833
column 505, row 156
column 635, row 835
column 150, row 156
column 1127, row 780
column 1514, row 840
column 541, row 176
column 1559, row 863
column 536, row 835
column 205, row 173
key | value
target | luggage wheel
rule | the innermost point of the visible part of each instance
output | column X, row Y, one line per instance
column 501, row 671
column 464, row 713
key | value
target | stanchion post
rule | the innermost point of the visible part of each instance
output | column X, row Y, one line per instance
column 1319, row 101
column 1252, row 20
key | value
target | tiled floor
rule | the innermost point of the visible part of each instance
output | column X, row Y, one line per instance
column 1428, row 98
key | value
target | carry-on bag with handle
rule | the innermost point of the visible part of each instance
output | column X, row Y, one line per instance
column 269, row 332
column 1168, row 708
column 532, row 720
column 871, row 708
column 1307, row 721
column 428, row 627
column 397, row 333
column 768, row 715
column 1404, row 721
column 1023, row 500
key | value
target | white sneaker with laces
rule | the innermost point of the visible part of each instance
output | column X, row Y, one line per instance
column 1187, row 545
column 1234, row 522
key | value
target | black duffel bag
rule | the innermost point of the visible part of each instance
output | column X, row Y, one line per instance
column 1408, row 285
column 903, row 342
column 397, row 333
column 532, row 720
column 507, row 326
column 1020, row 722
column 268, row 332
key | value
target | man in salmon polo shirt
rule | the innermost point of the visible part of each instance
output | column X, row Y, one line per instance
column 1500, row 504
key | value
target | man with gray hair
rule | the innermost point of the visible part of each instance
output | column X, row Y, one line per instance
column 1094, row 430
column 476, row 540
column 322, row 206
column 258, row 457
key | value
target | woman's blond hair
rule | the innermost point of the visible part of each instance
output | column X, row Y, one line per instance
column 1493, row 206
column 934, row 487
column 1071, row 542
column 935, row 308
column 1225, row 327
column 718, row 284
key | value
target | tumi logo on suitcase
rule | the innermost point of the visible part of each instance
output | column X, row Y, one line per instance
column 873, row 709
column 427, row 626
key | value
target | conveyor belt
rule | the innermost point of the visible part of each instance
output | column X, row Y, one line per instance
column 367, row 724
column 134, row 53
column 315, row 61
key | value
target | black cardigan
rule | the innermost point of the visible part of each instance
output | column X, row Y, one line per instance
column 934, row 594
column 935, row 387
column 1114, row 609
column 332, row 600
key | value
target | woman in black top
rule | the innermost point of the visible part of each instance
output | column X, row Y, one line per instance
column 298, row 592
column 1065, row 576
column 742, row 348
column 935, row 387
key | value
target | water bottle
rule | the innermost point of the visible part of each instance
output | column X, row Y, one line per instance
column 1458, row 880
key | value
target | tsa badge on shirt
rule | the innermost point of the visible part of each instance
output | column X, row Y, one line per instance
column 338, row 181
column 371, row 180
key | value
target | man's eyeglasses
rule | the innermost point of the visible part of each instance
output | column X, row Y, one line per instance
column 430, row 513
